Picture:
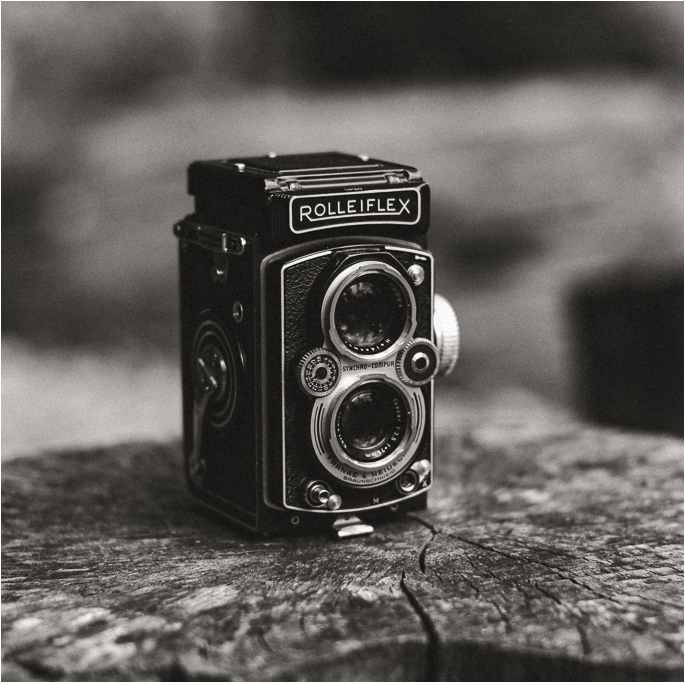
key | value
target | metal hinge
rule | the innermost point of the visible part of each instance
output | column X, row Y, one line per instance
column 210, row 237
column 367, row 177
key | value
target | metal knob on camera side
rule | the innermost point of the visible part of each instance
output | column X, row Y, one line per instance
column 421, row 361
column 446, row 329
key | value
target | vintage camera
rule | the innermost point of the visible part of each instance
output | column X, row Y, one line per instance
column 309, row 341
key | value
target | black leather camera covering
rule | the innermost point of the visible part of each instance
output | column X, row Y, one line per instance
column 231, row 481
column 242, row 196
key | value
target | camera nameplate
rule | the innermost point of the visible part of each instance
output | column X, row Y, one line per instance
column 334, row 210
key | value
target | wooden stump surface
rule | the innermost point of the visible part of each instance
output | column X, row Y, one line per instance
column 551, row 550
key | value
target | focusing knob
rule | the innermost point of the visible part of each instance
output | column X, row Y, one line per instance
column 318, row 372
column 417, row 363
column 446, row 329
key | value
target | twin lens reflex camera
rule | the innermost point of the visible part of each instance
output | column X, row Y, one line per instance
column 310, row 340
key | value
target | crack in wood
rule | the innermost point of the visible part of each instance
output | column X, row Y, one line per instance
column 553, row 597
column 470, row 584
column 261, row 636
column 526, row 595
column 432, row 654
column 503, row 615
column 424, row 523
column 555, row 552
column 423, row 551
column 574, row 611
column 584, row 641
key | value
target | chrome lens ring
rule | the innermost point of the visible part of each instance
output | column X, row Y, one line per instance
column 369, row 424
column 383, row 277
column 336, row 458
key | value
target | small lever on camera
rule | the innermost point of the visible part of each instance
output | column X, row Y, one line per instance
column 318, row 494
column 210, row 368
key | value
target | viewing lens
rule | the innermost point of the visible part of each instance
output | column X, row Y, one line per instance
column 371, row 421
column 371, row 313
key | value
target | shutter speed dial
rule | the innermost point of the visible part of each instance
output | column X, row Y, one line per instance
column 318, row 372
column 417, row 363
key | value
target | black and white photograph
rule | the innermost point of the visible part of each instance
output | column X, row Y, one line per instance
column 342, row 341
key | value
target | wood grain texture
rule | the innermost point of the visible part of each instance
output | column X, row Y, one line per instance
column 550, row 550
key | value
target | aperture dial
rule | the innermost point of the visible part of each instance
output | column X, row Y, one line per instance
column 417, row 363
column 318, row 372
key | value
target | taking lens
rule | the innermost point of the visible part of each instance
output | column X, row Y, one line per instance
column 370, row 313
column 371, row 421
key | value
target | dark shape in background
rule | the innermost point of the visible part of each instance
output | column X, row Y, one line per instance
column 628, row 330
column 438, row 41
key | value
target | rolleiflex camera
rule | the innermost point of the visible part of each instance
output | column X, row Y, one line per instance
column 309, row 341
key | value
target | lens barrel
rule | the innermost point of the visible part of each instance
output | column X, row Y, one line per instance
column 369, row 310
column 370, row 313
column 368, row 431
column 371, row 421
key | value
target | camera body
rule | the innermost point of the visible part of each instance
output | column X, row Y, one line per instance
column 308, row 341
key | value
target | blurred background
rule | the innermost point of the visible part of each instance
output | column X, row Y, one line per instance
column 551, row 134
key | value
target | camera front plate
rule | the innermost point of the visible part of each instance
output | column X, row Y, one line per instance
column 312, row 449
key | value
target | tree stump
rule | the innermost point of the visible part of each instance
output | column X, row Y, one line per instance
column 551, row 550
